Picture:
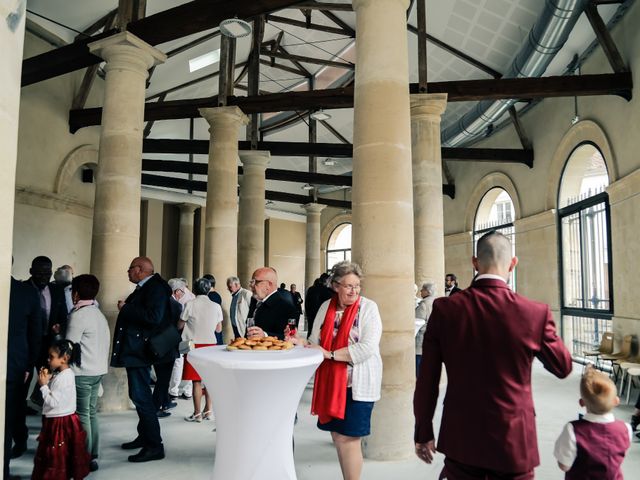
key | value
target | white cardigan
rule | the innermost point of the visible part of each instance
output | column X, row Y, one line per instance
column 365, row 353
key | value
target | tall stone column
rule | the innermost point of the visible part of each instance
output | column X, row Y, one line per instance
column 221, row 223
column 251, row 216
column 185, row 242
column 382, row 204
column 116, row 212
column 12, row 41
column 312, row 252
column 428, row 216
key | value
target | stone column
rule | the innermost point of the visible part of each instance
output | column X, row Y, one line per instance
column 382, row 204
column 312, row 252
column 251, row 216
column 12, row 41
column 428, row 216
column 221, row 224
column 185, row 242
column 116, row 213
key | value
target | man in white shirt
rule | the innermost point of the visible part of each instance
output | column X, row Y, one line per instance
column 240, row 303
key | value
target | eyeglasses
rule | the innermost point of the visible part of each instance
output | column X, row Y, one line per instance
column 255, row 281
column 352, row 288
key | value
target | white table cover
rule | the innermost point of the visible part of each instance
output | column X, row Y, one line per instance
column 255, row 397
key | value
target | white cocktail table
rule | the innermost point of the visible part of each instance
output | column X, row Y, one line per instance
column 255, row 398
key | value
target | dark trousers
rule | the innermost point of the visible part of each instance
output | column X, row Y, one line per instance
column 161, row 390
column 14, row 402
column 459, row 471
column 138, row 379
column 20, row 432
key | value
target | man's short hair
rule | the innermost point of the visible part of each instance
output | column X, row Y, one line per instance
column 202, row 286
column 177, row 284
column 41, row 260
column 233, row 280
column 430, row 288
column 494, row 249
column 597, row 391
column 86, row 286
column 211, row 279
column 63, row 274
column 283, row 286
column 452, row 276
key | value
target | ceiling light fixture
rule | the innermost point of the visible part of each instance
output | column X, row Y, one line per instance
column 235, row 28
column 269, row 202
column 320, row 115
column 204, row 60
column 307, row 186
column 329, row 162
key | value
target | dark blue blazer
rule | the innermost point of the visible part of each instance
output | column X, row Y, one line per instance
column 25, row 330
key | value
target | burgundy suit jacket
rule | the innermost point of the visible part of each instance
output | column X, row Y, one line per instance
column 487, row 337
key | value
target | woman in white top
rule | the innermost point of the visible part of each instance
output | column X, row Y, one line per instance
column 347, row 329
column 201, row 319
column 89, row 328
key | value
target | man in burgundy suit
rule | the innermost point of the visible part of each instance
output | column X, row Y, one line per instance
column 487, row 337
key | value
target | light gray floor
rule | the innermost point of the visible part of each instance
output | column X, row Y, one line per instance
column 190, row 446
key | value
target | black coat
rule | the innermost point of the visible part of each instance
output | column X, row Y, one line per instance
column 25, row 330
column 58, row 313
column 146, row 311
column 272, row 314
column 316, row 296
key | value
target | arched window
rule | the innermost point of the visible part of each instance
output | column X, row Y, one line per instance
column 339, row 246
column 496, row 212
column 585, row 249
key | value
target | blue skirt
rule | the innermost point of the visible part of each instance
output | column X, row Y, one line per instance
column 357, row 419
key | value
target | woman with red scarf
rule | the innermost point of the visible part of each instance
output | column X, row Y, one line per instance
column 347, row 330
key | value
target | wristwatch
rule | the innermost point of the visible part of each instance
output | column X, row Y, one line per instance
column 332, row 355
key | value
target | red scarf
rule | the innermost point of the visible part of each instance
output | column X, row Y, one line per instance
column 330, row 387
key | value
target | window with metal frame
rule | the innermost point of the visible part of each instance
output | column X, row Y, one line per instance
column 339, row 245
column 584, row 235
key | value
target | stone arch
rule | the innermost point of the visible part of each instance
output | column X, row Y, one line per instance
column 586, row 131
column 492, row 180
column 326, row 233
column 83, row 155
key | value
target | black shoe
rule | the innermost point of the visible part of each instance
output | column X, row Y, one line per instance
column 133, row 444
column 635, row 421
column 163, row 414
column 93, row 466
column 147, row 455
column 18, row 450
column 185, row 397
column 170, row 405
column 174, row 397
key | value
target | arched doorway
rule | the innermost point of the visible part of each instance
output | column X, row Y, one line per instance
column 585, row 249
column 339, row 245
column 496, row 212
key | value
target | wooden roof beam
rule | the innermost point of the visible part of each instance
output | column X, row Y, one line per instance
column 310, row 26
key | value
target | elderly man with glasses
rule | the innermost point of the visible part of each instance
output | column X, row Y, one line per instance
column 271, row 311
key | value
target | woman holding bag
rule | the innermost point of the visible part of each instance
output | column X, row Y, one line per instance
column 347, row 330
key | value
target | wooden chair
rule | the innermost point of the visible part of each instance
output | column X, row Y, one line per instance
column 633, row 363
column 632, row 373
column 605, row 348
column 625, row 354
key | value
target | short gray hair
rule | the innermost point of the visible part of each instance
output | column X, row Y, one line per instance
column 177, row 284
column 430, row 288
column 342, row 269
column 231, row 280
column 202, row 286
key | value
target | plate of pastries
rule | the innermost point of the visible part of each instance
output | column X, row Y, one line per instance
column 262, row 344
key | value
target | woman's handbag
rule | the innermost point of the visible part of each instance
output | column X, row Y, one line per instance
column 162, row 342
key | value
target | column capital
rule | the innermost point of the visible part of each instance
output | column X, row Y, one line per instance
column 255, row 158
column 227, row 114
column 126, row 51
column 312, row 208
column 428, row 104
column 363, row 3
column 187, row 207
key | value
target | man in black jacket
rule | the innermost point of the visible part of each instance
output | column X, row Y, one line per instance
column 144, row 312
column 317, row 294
column 272, row 310
column 25, row 335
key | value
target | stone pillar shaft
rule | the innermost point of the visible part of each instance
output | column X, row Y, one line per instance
column 185, row 242
column 116, row 214
column 221, row 224
column 312, row 252
column 428, row 217
column 251, row 215
column 382, row 203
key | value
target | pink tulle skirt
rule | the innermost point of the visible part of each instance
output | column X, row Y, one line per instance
column 62, row 450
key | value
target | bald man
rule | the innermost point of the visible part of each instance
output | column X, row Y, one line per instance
column 145, row 312
column 272, row 309
column 487, row 337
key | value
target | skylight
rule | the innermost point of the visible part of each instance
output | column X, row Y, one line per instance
column 204, row 60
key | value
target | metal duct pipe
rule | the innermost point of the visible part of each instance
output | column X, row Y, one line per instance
column 545, row 39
